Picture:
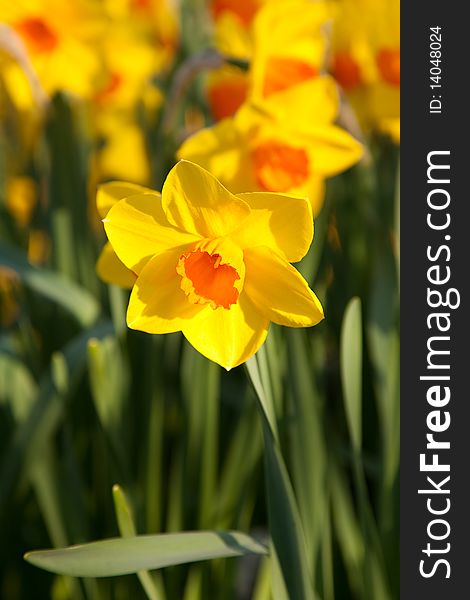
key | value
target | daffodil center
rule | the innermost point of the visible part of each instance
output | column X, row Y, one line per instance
column 206, row 280
column 279, row 167
column 388, row 62
column 282, row 73
column 346, row 71
column 37, row 34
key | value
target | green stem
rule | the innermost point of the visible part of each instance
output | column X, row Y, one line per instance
column 284, row 521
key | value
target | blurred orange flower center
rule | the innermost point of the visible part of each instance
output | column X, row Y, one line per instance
column 245, row 10
column 388, row 61
column 283, row 73
column 278, row 167
column 206, row 280
column 226, row 96
column 37, row 34
column 346, row 71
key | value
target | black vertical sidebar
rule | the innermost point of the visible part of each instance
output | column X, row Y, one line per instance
column 435, row 232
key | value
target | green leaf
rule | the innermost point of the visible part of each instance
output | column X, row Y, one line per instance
column 122, row 556
column 73, row 298
column 40, row 422
column 351, row 369
column 127, row 529
column 267, row 404
column 285, row 525
column 109, row 383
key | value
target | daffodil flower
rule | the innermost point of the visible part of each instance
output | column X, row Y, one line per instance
column 212, row 264
column 286, row 143
column 281, row 49
column 366, row 61
column 60, row 39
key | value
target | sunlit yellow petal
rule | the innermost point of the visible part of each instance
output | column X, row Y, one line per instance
column 138, row 229
column 332, row 150
column 229, row 336
column 157, row 303
column 277, row 221
column 223, row 151
column 315, row 101
column 113, row 191
column 111, row 270
column 232, row 38
column 195, row 201
column 279, row 291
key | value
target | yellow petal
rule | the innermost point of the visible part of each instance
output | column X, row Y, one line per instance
column 113, row 191
column 315, row 101
column 224, row 152
column 196, row 202
column 157, row 303
column 279, row 291
column 137, row 229
column 111, row 270
column 282, row 223
column 332, row 149
column 229, row 336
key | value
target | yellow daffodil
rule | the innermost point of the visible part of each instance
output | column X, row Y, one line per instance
column 269, row 146
column 212, row 264
column 289, row 43
column 366, row 61
column 59, row 38
column 281, row 49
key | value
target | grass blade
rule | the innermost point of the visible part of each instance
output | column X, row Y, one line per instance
column 351, row 369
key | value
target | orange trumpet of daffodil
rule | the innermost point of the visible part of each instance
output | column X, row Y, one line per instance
column 212, row 264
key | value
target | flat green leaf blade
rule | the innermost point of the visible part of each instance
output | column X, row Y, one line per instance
column 75, row 299
column 121, row 556
column 351, row 369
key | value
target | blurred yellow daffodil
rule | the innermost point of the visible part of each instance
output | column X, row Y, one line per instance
column 212, row 264
column 268, row 146
column 366, row 61
column 282, row 50
column 59, row 38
